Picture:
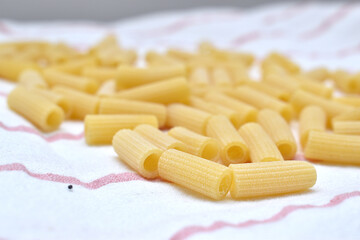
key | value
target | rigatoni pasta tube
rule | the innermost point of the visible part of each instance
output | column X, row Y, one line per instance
column 301, row 99
column 284, row 62
column 76, row 65
column 233, row 147
column 199, row 77
column 189, row 117
column 137, row 152
column 279, row 131
column 200, row 175
column 331, row 147
column 351, row 115
column 261, row 100
column 261, row 146
column 107, row 88
column 197, row 144
column 124, row 106
column 100, row 74
column 217, row 109
column 318, row 74
column 167, row 91
column 159, row 138
column 10, row 69
column 349, row 100
column 60, row 100
column 55, row 77
column 346, row 81
column 133, row 76
column 44, row 114
column 81, row 103
column 100, row 129
column 269, row 90
column 314, row 87
column 312, row 118
column 220, row 77
column 32, row 78
column 271, row 178
column 347, row 127
column 248, row 113
column 283, row 82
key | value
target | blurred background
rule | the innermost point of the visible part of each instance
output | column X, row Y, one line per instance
column 109, row 10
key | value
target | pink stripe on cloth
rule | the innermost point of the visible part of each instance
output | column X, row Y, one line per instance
column 53, row 138
column 97, row 183
column 3, row 94
column 192, row 230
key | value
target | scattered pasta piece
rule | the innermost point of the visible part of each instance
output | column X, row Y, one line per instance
column 312, row 118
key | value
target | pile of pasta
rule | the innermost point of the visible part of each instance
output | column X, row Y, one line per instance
column 226, row 130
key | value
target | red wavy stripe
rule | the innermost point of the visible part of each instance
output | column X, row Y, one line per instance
column 192, row 230
column 288, row 13
column 330, row 21
column 98, row 183
column 53, row 138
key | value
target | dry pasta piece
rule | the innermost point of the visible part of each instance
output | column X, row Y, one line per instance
column 124, row 106
column 107, row 88
column 238, row 72
column 319, row 74
column 44, row 114
column 100, row 74
column 351, row 115
column 349, row 100
column 200, row 175
column 156, row 59
column 346, row 82
column 279, row 131
column 312, row 118
column 180, row 55
column 314, row 87
column 32, row 78
column 261, row 100
column 100, row 129
column 280, row 81
column 159, row 138
column 284, row 62
column 10, row 69
column 334, row 148
column 347, row 127
column 214, row 108
column 301, row 99
column 189, row 117
column 261, row 146
column 168, row 91
column 60, row 100
column 220, row 77
column 75, row 66
column 55, row 77
column 137, row 152
column 271, row 178
column 269, row 90
column 81, row 103
column 134, row 76
column 197, row 144
column 233, row 147
column 199, row 77
column 248, row 112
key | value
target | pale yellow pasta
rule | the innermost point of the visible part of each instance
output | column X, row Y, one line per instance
column 350, row 115
column 314, row 87
column 220, row 77
column 100, row 74
column 199, row 77
column 318, row 74
column 200, row 175
column 248, row 112
column 279, row 131
column 347, row 127
column 100, row 129
column 261, row 100
column 10, row 69
column 168, row 91
column 217, row 109
column 189, row 117
column 44, row 114
column 271, row 178
column 156, row 59
column 107, row 88
column 269, row 90
column 180, row 55
column 59, row 99
column 349, row 100
column 283, row 82
column 159, row 138
column 124, row 106
column 32, row 78
column 137, row 152
column 197, row 144
column 55, row 77
column 334, row 148
column 284, row 62
column 81, row 103
column 312, row 118
column 237, row 71
column 75, row 66
column 134, row 76
column 301, row 99
column 233, row 147
column 261, row 146
column 346, row 82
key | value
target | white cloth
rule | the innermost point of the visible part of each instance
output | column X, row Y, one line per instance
column 110, row 201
